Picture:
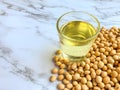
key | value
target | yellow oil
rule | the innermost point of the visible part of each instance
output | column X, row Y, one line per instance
column 76, row 38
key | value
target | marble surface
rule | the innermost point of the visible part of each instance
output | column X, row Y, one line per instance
column 28, row 37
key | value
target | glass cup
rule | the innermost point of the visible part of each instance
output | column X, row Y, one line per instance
column 77, row 32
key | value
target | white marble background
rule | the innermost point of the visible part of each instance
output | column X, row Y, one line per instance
column 28, row 37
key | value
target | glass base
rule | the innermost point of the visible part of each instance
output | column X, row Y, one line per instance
column 73, row 58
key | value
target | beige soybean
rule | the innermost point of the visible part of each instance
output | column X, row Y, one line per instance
column 68, row 77
column 52, row 78
column 100, row 64
column 58, row 52
column 60, row 86
column 76, row 76
column 93, row 74
column 55, row 58
column 98, row 79
column 75, row 83
column 106, row 79
column 54, row 71
column 98, row 72
column 89, row 84
column 60, row 77
column 101, row 85
column 69, row 85
column 114, row 74
column 103, row 73
column 83, row 80
column 74, row 66
column 65, row 81
column 62, row 66
column 78, row 87
column 61, row 71
column 84, row 87
column 88, row 77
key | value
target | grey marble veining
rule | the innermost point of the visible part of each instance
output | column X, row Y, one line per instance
column 28, row 37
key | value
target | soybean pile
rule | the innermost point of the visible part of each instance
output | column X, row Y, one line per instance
column 100, row 70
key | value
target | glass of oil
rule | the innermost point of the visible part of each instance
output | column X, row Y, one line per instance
column 77, row 32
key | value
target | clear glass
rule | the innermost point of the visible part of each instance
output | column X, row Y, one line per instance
column 74, row 48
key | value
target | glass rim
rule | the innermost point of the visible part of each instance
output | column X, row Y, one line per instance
column 93, row 17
